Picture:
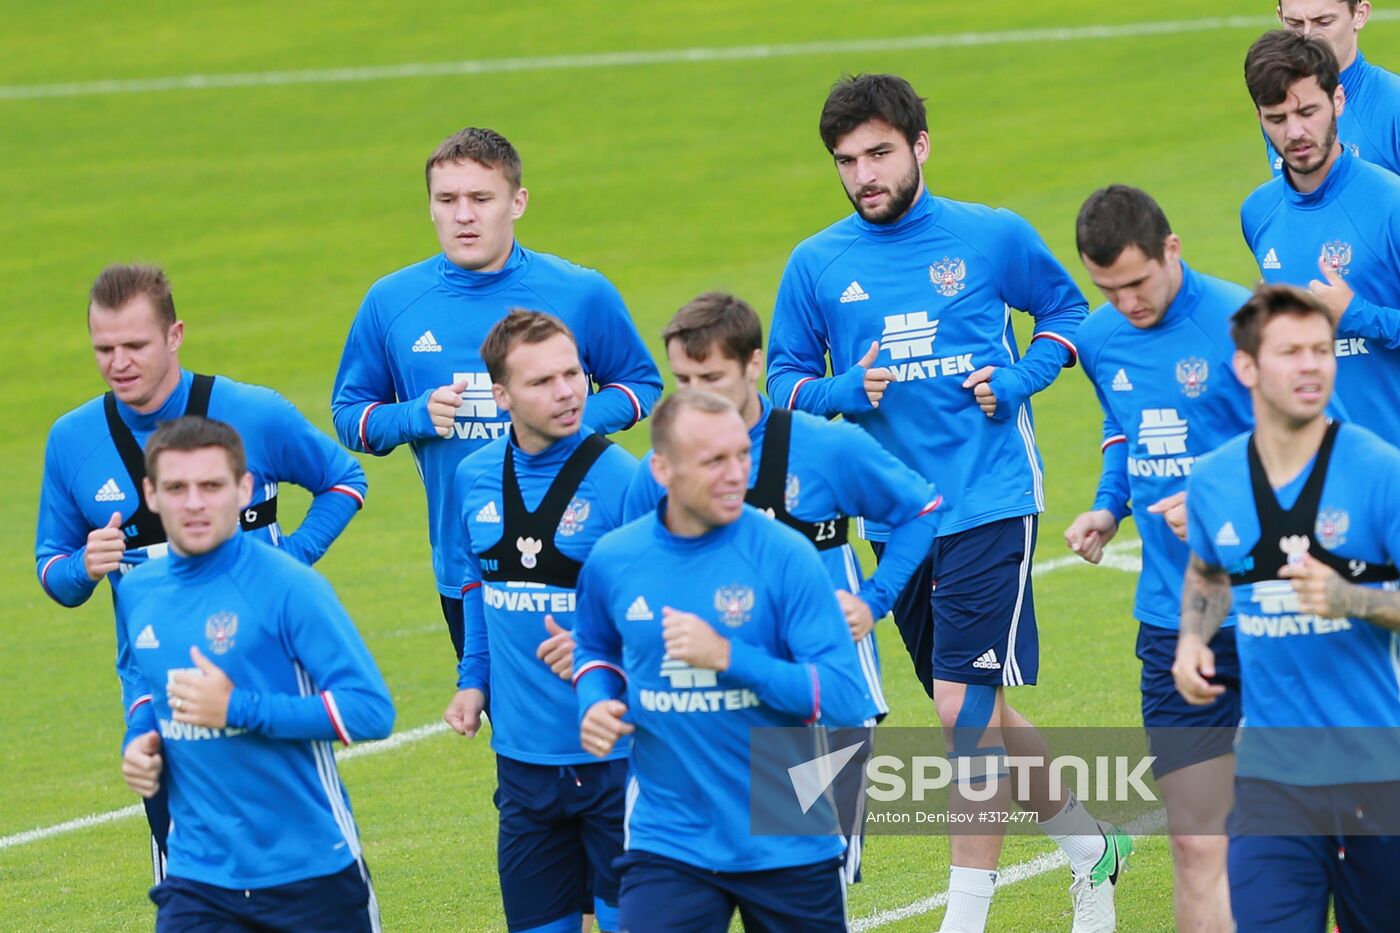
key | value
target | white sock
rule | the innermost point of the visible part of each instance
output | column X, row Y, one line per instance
column 1077, row 833
column 969, row 898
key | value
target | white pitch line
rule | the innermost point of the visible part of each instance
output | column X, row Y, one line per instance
column 397, row 740
column 204, row 82
column 1119, row 555
column 1012, row 874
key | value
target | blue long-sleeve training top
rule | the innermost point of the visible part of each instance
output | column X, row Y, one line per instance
column 259, row 802
column 421, row 328
column 935, row 289
column 1351, row 222
column 836, row 470
column 534, row 715
column 759, row 584
column 1302, row 671
column 1169, row 395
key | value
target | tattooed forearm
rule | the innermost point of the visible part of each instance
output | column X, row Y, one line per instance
column 1379, row 607
column 1205, row 599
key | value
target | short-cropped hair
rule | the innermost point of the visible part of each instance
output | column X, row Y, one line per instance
column 517, row 327
column 663, row 417
column 1268, row 302
column 1119, row 216
column 716, row 319
column 119, row 283
column 483, row 146
column 195, row 432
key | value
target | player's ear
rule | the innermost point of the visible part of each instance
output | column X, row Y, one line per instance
column 754, row 365
column 175, row 337
column 150, row 489
column 661, row 469
column 517, row 207
column 245, row 490
column 501, row 395
column 1246, row 369
column 1172, row 248
column 1362, row 14
column 1339, row 99
column 921, row 147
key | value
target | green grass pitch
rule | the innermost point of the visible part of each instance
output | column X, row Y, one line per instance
column 274, row 205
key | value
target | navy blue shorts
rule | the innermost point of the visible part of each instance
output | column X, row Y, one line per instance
column 662, row 894
column 560, row 832
column 977, row 584
column 340, row 903
column 1178, row 733
column 456, row 624
column 1279, row 884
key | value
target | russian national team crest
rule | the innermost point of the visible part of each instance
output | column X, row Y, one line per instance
column 735, row 604
column 219, row 630
column 1192, row 373
column 1337, row 256
column 1295, row 546
column 528, row 548
column 1331, row 527
column 947, row 276
column 571, row 522
column 791, row 492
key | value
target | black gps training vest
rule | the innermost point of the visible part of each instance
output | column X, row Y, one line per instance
column 143, row 528
column 526, row 552
column 769, row 492
column 1277, row 524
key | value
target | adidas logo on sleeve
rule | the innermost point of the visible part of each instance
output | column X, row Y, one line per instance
column 988, row 661
column 852, row 293
column 1121, row 382
column 488, row 515
column 1226, row 536
column 639, row 611
column 427, row 343
column 110, row 492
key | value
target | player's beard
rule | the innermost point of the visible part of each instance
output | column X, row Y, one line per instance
column 901, row 197
column 1323, row 154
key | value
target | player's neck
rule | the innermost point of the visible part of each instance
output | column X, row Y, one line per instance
column 684, row 523
column 752, row 410
column 167, row 388
column 1286, row 447
column 1307, row 184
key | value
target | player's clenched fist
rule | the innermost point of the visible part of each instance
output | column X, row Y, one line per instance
column 857, row 612
column 1087, row 534
column 141, row 764
column 463, row 714
column 557, row 651
column 105, row 547
column 443, row 405
column 1194, row 663
column 691, row 639
column 877, row 379
column 602, row 726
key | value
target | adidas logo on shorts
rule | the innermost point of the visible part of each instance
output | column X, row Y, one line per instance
column 110, row 492
column 1121, row 382
column 427, row 343
column 852, row 293
column 988, row 661
column 488, row 515
column 639, row 611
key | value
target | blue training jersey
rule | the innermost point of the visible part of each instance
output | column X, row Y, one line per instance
column 1169, row 395
column 836, row 470
column 792, row 663
column 1352, row 222
column 1303, row 670
column 935, row 289
column 1369, row 124
column 85, row 481
column 259, row 802
column 422, row 327
column 534, row 714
